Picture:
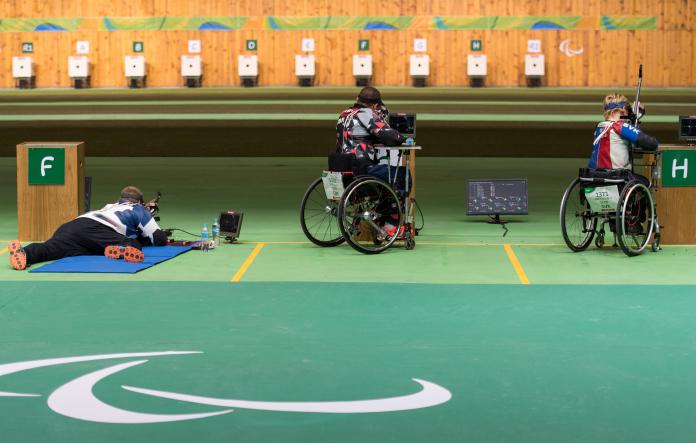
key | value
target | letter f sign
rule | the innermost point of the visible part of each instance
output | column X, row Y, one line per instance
column 45, row 165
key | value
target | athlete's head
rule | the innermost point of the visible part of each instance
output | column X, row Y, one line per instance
column 131, row 194
column 370, row 97
column 616, row 106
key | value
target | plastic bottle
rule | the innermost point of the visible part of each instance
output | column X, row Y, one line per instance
column 216, row 232
column 205, row 238
column 410, row 141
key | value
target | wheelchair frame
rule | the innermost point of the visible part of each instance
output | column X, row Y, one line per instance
column 366, row 200
column 628, row 232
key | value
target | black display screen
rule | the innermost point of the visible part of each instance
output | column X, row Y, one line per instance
column 404, row 123
column 687, row 127
column 497, row 196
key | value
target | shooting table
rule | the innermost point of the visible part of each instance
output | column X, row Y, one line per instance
column 408, row 159
column 672, row 170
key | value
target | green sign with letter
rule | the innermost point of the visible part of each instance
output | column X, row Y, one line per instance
column 476, row 45
column 138, row 46
column 27, row 47
column 46, row 166
column 363, row 45
column 678, row 168
column 251, row 45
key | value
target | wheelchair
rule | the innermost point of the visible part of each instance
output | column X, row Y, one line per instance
column 613, row 198
column 346, row 204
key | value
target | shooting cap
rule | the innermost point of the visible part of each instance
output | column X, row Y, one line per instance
column 131, row 193
column 370, row 96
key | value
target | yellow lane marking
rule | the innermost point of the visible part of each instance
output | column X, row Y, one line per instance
column 516, row 264
column 484, row 244
column 274, row 242
column 250, row 259
column 3, row 250
column 429, row 243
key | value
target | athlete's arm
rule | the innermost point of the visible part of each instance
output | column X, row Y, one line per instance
column 380, row 129
column 635, row 136
column 149, row 227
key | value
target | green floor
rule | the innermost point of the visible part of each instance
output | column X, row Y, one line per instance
column 452, row 247
column 598, row 347
column 543, row 363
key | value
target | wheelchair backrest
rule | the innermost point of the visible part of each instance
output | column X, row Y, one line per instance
column 347, row 163
column 341, row 162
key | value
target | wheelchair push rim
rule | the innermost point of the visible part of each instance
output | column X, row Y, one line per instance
column 578, row 224
column 633, row 232
column 370, row 216
column 318, row 216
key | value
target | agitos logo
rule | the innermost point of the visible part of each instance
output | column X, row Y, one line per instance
column 76, row 398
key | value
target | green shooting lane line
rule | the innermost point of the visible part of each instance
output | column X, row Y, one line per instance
column 315, row 102
column 554, row 118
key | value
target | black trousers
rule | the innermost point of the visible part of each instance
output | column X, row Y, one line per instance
column 82, row 236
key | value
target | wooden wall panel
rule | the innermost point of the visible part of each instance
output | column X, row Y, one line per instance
column 609, row 58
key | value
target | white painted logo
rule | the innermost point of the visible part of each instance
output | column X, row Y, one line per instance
column 76, row 398
column 45, row 166
column 565, row 48
column 684, row 168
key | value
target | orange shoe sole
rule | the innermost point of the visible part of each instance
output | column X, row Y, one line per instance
column 127, row 253
column 18, row 258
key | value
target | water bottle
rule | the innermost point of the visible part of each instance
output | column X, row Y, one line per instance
column 205, row 237
column 216, row 232
column 410, row 141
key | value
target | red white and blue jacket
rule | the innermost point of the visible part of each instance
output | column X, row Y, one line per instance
column 612, row 145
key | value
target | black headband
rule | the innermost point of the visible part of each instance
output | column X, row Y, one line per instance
column 129, row 196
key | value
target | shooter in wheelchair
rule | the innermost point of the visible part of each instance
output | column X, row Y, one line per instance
column 360, row 200
column 608, row 192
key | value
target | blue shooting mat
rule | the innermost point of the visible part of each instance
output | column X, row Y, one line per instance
column 101, row 264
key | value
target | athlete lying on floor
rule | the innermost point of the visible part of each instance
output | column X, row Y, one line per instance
column 118, row 230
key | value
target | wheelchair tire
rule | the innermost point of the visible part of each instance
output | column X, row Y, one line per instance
column 364, row 208
column 577, row 223
column 633, row 233
column 318, row 216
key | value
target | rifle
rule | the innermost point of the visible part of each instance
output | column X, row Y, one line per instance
column 636, row 108
column 153, row 206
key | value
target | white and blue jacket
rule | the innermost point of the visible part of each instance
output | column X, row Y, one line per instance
column 127, row 218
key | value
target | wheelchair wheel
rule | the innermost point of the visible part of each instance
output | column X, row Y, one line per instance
column 635, row 218
column 318, row 216
column 370, row 215
column 577, row 222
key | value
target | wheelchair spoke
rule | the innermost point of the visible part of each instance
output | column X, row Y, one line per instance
column 366, row 208
column 578, row 223
column 318, row 216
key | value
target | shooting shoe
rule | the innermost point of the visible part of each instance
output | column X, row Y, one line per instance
column 127, row 253
column 18, row 258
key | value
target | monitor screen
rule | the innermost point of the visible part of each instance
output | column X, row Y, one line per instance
column 687, row 127
column 404, row 123
column 497, row 196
